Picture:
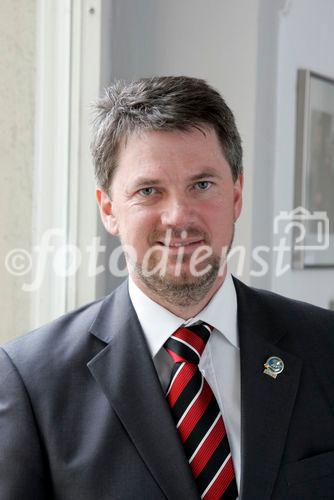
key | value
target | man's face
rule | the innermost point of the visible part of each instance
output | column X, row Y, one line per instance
column 171, row 195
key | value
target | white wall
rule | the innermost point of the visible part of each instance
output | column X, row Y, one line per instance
column 17, row 86
column 306, row 40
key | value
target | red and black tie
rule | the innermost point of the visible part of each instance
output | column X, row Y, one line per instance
column 197, row 416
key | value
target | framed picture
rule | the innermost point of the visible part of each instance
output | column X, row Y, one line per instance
column 313, row 229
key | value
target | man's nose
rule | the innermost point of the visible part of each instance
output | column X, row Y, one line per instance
column 177, row 212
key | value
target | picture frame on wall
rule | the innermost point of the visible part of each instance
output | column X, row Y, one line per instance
column 313, row 221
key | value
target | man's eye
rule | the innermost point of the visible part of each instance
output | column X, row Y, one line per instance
column 203, row 185
column 147, row 191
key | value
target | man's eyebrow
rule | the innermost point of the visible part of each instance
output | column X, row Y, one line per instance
column 146, row 181
column 205, row 174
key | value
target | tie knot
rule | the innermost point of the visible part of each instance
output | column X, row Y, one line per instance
column 188, row 343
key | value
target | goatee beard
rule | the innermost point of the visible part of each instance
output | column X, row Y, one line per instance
column 182, row 291
column 185, row 289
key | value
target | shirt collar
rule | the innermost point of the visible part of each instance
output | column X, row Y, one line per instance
column 158, row 323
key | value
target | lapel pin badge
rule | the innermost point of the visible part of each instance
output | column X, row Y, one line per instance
column 273, row 366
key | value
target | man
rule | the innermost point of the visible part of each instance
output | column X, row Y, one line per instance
column 184, row 382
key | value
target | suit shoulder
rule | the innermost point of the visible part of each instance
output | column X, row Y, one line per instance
column 60, row 337
column 282, row 301
column 298, row 309
column 302, row 318
column 56, row 354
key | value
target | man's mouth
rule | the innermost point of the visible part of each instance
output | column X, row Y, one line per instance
column 185, row 245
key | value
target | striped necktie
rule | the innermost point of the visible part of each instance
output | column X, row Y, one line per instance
column 197, row 416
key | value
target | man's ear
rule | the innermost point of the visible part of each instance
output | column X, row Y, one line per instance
column 106, row 211
column 237, row 188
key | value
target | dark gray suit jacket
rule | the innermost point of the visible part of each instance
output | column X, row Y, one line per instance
column 83, row 415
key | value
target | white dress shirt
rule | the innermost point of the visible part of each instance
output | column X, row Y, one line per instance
column 220, row 361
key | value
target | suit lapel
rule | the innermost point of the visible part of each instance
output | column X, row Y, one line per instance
column 266, row 403
column 126, row 373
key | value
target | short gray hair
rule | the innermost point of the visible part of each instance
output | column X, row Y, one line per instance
column 159, row 103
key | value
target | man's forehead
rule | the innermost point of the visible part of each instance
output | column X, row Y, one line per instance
column 147, row 136
column 165, row 146
column 149, row 157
